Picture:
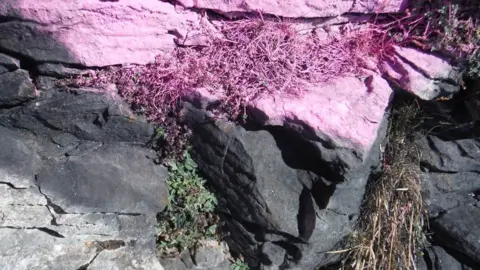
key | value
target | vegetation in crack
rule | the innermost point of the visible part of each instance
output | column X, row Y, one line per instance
column 390, row 231
column 189, row 216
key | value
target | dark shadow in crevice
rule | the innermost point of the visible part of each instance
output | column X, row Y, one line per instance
column 306, row 216
column 454, row 119
column 322, row 192
column 300, row 154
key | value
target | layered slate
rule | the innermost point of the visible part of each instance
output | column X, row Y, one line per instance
column 299, row 8
column 77, row 189
column 92, row 32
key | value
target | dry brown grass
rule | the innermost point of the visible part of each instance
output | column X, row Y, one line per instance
column 389, row 234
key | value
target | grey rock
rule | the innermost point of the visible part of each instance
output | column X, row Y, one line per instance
column 58, row 70
column 275, row 254
column 15, row 88
column 46, row 84
column 65, row 139
column 113, row 178
column 91, row 240
column 173, row 264
column 3, row 70
column 436, row 258
column 459, row 230
column 23, row 208
column 87, row 116
column 208, row 255
column 19, row 161
column 276, row 187
column 8, row 63
column 68, row 202
column 450, row 181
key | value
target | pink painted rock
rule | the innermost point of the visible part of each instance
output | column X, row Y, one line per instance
column 299, row 8
column 347, row 112
column 93, row 32
column 422, row 74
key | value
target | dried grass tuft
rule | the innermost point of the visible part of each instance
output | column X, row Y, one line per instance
column 390, row 229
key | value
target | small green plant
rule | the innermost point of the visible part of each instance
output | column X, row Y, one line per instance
column 189, row 216
column 473, row 70
column 160, row 132
column 239, row 264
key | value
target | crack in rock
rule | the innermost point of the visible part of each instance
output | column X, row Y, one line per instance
column 101, row 246
column 85, row 266
column 42, row 229
column 11, row 185
column 106, row 245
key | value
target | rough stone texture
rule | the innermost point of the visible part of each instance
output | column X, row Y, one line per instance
column 346, row 112
column 77, row 192
column 58, row 70
column 436, row 258
column 260, row 175
column 209, row 255
column 92, row 32
column 422, row 74
column 342, row 118
column 90, row 117
column 16, row 87
column 458, row 229
column 298, row 8
column 8, row 63
column 451, row 179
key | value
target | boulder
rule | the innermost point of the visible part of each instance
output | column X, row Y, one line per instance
column 259, row 175
column 15, row 88
column 298, row 9
column 436, row 258
column 450, row 155
column 94, row 33
column 425, row 75
column 75, row 194
column 87, row 116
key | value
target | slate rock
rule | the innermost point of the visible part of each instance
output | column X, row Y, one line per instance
column 58, row 70
column 425, row 75
column 436, row 258
column 19, row 160
column 459, row 230
column 101, row 33
column 208, row 255
column 450, row 181
column 295, row 8
column 85, row 115
column 261, row 174
column 8, row 63
column 113, row 178
column 15, row 88
column 68, row 202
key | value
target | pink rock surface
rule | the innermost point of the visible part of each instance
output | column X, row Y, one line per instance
column 93, row 32
column 347, row 111
column 299, row 8
column 420, row 73
column 432, row 66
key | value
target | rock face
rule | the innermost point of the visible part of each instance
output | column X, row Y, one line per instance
column 17, row 88
column 206, row 255
column 92, row 32
column 298, row 8
column 451, row 179
column 77, row 189
column 261, row 175
column 427, row 76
